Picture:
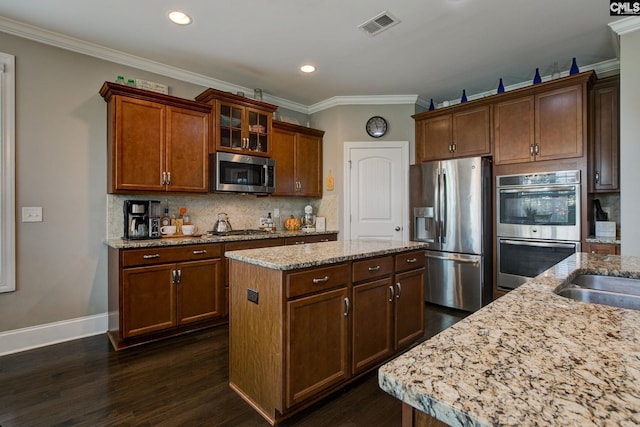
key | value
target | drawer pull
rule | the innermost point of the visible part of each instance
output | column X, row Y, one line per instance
column 411, row 261
column 300, row 243
column 324, row 240
column 376, row 268
column 151, row 256
column 202, row 252
column 323, row 280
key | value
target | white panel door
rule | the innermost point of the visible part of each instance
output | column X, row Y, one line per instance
column 376, row 194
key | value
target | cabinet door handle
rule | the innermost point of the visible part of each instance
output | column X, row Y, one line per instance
column 204, row 251
column 392, row 293
column 399, row 286
column 164, row 178
column 347, row 307
column 168, row 178
column 454, row 146
column 597, row 177
column 174, row 276
column 376, row 268
column 179, row 276
column 537, row 149
column 412, row 261
column 531, row 149
column 322, row 280
column 151, row 256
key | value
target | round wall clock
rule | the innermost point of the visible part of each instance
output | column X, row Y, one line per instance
column 376, row 126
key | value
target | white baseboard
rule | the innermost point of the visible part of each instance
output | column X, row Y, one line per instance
column 23, row 339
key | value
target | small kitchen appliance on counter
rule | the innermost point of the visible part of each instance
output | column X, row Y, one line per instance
column 308, row 220
column 141, row 219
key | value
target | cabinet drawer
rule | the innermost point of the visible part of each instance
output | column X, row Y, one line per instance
column 372, row 268
column 151, row 256
column 410, row 260
column 300, row 240
column 252, row 244
column 317, row 279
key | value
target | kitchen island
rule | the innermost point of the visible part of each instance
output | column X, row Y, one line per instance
column 529, row 358
column 306, row 320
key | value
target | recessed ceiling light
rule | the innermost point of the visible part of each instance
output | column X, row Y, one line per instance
column 179, row 18
column 307, row 68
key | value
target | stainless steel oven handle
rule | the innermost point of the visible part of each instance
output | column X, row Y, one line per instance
column 539, row 244
column 536, row 189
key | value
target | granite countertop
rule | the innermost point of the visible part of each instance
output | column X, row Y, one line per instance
column 531, row 358
column 204, row 238
column 314, row 254
column 608, row 240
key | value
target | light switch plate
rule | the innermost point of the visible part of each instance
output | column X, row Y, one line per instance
column 32, row 214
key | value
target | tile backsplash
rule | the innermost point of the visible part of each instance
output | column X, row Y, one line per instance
column 244, row 210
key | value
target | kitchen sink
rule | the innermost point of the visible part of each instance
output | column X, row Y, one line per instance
column 615, row 291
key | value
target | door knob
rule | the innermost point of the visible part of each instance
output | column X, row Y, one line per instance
column 398, row 228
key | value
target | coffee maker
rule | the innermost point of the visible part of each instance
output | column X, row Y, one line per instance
column 308, row 220
column 141, row 219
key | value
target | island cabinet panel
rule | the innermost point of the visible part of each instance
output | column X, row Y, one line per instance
column 317, row 345
column 160, row 292
column 299, row 335
column 314, row 238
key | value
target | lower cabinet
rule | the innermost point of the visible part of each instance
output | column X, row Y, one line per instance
column 311, row 238
column 601, row 248
column 326, row 327
column 159, row 292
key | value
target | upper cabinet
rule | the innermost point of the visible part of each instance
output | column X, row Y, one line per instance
column 462, row 132
column 297, row 151
column 156, row 142
column 241, row 125
column 604, row 152
column 541, row 122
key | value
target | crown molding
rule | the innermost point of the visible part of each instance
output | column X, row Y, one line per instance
column 363, row 100
column 625, row 25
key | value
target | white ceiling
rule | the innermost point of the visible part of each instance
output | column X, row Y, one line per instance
column 439, row 48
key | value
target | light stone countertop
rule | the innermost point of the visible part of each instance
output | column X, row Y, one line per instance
column 607, row 240
column 191, row 240
column 531, row 358
column 314, row 254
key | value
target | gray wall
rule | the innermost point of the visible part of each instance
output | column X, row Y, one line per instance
column 61, row 166
column 630, row 142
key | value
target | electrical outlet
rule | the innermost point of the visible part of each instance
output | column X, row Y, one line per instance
column 252, row 295
column 276, row 212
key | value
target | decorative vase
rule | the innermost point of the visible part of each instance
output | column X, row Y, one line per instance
column 464, row 96
column 574, row 67
column 537, row 79
column 431, row 106
column 500, row 86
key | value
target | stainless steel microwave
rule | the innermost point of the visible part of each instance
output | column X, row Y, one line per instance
column 241, row 173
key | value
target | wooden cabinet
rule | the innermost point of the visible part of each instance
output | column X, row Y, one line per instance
column 542, row 122
column 160, row 292
column 297, row 151
column 311, row 238
column 462, row 133
column 604, row 150
column 327, row 325
column 156, row 143
column 601, row 248
column 241, row 125
column 317, row 332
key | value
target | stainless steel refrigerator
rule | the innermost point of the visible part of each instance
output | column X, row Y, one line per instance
column 451, row 208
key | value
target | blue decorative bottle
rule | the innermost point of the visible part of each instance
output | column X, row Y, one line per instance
column 537, row 79
column 500, row 86
column 464, row 96
column 574, row 67
column 431, row 106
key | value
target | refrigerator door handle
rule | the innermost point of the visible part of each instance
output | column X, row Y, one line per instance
column 443, row 196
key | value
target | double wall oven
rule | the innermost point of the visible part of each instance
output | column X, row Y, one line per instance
column 537, row 223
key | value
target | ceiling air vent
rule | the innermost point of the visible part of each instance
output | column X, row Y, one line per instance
column 379, row 23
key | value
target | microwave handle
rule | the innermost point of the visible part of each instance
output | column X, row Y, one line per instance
column 265, row 181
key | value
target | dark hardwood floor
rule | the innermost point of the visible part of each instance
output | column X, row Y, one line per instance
column 177, row 382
